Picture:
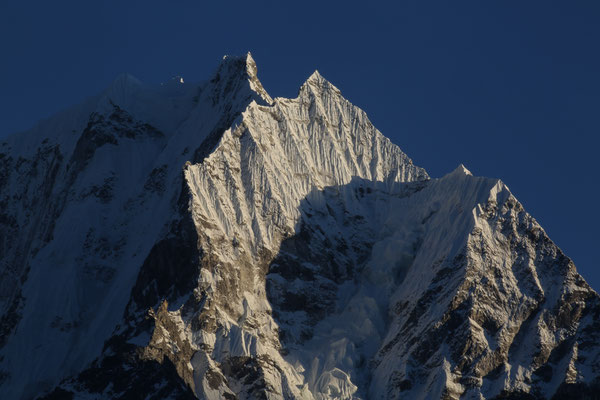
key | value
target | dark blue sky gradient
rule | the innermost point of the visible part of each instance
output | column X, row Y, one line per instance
column 511, row 89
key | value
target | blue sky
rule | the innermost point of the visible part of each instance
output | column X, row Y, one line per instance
column 511, row 89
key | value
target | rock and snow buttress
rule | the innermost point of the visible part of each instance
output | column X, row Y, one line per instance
column 207, row 241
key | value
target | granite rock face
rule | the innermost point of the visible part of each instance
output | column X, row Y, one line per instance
column 208, row 241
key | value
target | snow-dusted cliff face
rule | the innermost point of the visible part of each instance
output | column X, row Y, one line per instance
column 208, row 241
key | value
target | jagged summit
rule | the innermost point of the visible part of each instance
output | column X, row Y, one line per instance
column 315, row 77
column 251, row 66
column 317, row 84
column 241, row 69
column 204, row 241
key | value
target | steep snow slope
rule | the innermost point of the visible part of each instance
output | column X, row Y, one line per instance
column 489, row 304
column 246, row 199
column 208, row 241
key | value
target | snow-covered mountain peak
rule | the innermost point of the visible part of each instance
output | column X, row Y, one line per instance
column 143, row 101
column 317, row 85
column 123, row 80
column 202, row 240
column 315, row 77
column 461, row 170
column 122, row 88
column 239, row 69
column 251, row 66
